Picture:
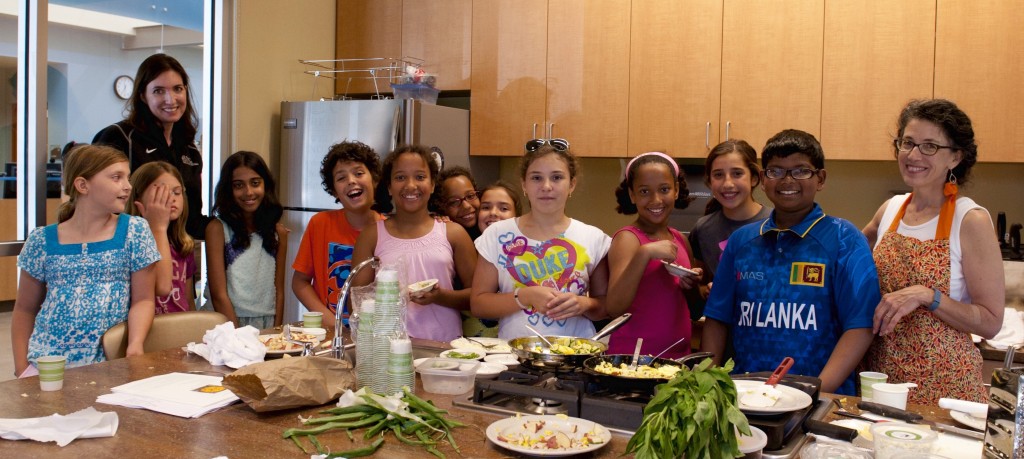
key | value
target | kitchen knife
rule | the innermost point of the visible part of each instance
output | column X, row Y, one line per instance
column 829, row 430
column 914, row 418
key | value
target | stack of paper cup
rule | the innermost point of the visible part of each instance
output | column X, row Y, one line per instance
column 364, row 344
column 399, row 370
column 387, row 325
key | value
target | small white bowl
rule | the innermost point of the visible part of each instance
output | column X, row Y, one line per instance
column 421, row 287
column 509, row 360
column 489, row 370
column 462, row 354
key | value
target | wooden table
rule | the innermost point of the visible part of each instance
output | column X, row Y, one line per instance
column 236, row 431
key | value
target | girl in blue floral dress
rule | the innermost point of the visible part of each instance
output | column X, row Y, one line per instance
column 90, row 271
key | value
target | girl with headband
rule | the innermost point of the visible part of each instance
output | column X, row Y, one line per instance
column 649, row 262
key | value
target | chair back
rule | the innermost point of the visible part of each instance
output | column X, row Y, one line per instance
column 168, row 330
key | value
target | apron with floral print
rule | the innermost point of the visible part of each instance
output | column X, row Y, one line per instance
column 923, row 349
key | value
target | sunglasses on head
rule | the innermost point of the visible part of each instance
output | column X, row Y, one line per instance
column 557, row 144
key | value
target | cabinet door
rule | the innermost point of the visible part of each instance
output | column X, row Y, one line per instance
column 365, row 29
column 978, row 65
column 878, row 55
column 438, row 31
column 588, row 74
column 675, row 76
column 771, row 68
column 508, row 78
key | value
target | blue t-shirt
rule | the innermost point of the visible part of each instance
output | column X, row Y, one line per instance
column 793, row 292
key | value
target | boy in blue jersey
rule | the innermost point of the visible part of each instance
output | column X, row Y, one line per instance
column 799, row 284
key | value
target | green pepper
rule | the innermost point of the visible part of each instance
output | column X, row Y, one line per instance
column 359, row 452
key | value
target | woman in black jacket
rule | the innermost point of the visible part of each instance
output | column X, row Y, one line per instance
column 161, row 126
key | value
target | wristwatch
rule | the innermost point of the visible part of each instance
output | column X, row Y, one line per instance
column 935, row 302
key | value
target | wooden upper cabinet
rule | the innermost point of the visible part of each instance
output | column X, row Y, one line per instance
column 508, row 75
column 675, row 76
column 978, row 65
column 771, row 68
column 365, row 29
column 878, row 55
column 438, row 31
column 588, row 74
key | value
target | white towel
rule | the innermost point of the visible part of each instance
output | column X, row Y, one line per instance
column 226, row 345
column 87, row 423
column 1012, row 331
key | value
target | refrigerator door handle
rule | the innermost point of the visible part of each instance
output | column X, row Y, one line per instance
column 395, row 128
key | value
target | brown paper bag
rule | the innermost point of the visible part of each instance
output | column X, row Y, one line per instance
column 291, row 382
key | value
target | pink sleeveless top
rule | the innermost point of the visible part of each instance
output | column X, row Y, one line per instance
column 426, row 257
column 661, row 315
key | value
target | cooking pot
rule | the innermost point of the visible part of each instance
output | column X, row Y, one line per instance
column 523, row 348
column 629, row 383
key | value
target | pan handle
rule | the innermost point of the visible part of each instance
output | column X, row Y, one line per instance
column 695, row 356
column 612, row 326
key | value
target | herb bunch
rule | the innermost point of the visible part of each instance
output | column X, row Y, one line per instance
column 693, row 415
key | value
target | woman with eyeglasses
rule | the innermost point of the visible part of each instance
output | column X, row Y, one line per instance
column 940, row 269
column 458, row 198
column 542, row 269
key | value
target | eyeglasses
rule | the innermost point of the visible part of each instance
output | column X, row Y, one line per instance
column 454, row 203
column 927, row 148
column 800, row 173
column 557, row 144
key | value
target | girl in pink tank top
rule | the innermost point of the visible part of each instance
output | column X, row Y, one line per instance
column 425, row 248
column 640, row 282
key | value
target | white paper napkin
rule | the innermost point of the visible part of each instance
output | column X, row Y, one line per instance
column 226, row 345
column 1012, row 331
column 87, row 423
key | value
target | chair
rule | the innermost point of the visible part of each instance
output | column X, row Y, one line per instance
column 168, row 331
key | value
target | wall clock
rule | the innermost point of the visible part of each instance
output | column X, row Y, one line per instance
column 123, row 87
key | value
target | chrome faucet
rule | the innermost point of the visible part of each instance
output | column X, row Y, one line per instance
column 338, row 345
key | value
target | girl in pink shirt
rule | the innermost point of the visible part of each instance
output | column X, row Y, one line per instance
column 639, row 282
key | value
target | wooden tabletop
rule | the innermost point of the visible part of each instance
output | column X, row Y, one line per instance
column 236, row 431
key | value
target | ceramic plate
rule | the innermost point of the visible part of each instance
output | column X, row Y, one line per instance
column 490, row 345
column 297, row 351
column 504, row 359
column 539, row 429
column 968, row 420
column 792, row 399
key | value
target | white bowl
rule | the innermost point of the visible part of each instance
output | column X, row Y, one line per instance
column 462, row 354
column 489, row 370
column 421, row 287
column 509, row 360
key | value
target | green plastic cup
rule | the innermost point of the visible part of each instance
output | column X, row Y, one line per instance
column 312, row 319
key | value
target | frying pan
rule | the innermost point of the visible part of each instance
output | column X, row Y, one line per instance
column 628, row 383
column 523, row 348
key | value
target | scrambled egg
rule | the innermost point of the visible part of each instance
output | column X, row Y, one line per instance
column 567, row 346
column 642, row 371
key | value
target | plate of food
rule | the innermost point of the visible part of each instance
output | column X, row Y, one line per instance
column 488, row 345
column 548, row 435
column 278, row 347
column 758, row 397
column 679, row 271
column 469, row 355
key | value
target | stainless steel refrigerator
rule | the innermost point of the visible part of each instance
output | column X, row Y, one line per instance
column 308, row 129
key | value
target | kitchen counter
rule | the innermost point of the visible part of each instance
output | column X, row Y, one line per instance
column 235, row 431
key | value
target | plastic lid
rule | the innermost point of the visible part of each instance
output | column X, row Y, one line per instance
column 754, row 442
column 903, row 433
